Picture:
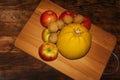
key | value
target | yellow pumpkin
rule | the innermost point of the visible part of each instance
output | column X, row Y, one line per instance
column 74, row 41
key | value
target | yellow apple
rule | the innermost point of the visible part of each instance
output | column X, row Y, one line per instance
column 45, row 35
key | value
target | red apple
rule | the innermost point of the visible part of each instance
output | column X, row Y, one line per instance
column 45, row 35
column 48, row 51
column 86, row 22
column 48, row 17
column 66, row 13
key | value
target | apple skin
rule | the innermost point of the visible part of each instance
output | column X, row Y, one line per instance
column 86, row 22
column 48, row 51
column 48, row 17
column 66, row 13
column 45, row 35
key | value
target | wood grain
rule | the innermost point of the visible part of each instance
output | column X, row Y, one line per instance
column 90, row 67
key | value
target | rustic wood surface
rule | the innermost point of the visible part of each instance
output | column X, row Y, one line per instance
column 17, row 65
column 29, row 40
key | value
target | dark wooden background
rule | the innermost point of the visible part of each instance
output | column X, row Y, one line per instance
column 17, row 65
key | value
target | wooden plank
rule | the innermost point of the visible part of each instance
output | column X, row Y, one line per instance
column 89, row 67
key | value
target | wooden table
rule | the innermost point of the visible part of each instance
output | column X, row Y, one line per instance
column 17, row 64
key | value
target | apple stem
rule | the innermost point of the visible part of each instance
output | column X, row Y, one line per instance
column 48, row 49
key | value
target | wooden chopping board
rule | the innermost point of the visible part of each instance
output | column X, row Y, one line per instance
column 89, row 67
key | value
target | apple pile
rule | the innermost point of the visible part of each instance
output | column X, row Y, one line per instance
column 53, row 24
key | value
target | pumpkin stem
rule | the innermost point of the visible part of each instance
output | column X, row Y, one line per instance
column 77, row 31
